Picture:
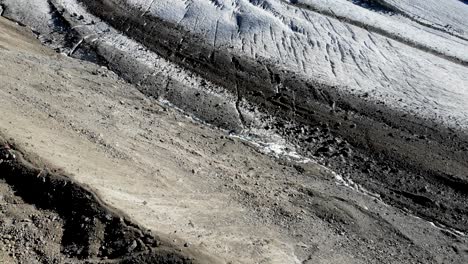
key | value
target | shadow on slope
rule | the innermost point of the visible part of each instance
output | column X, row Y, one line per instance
column 91, row 231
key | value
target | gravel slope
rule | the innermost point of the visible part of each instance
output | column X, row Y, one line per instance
column 398, row 193
column 196, row 186
column 393, row 151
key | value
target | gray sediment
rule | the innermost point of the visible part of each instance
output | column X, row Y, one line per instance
column 413, row 163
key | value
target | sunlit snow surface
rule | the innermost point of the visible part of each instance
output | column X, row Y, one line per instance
column 324, row 40
column 449, row 14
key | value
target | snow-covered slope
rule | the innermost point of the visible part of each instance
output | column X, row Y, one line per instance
column 392, row 59
column 394, row 23
column 22, row 11
column 447, row 15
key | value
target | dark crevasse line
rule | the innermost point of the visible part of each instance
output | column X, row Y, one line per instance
column 383, row 32
column 374, row 6
column 389, row 9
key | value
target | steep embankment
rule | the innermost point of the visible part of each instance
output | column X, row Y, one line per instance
column 219, row 193
column 401, row 118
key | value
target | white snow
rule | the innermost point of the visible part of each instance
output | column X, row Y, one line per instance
column 450, row 15
column 23, row 8
column 336, row 52
column 396, row 25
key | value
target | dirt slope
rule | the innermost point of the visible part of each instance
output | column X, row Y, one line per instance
column 195, row 185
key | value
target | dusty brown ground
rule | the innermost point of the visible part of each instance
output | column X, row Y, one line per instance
column 191, row 183
column 49, row 218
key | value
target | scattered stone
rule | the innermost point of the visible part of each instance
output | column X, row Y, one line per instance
column 299, row 168
column 324, row 149
column 346, row 152
column 424, row 189
column 191, row 224
column 132, row 246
